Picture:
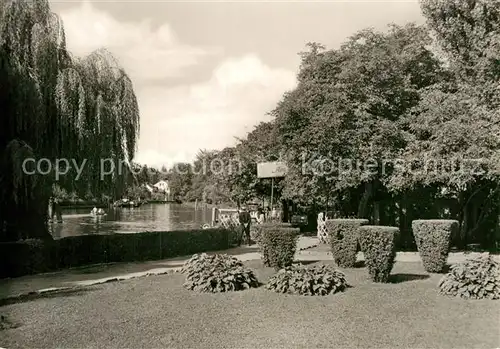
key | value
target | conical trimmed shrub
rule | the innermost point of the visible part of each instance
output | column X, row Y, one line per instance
column 378, row 246
column 433, row 239
column 344, row 236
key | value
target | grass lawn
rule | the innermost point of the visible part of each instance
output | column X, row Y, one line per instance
column 156, row 312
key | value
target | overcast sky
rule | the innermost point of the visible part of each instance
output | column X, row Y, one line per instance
column 207, row 72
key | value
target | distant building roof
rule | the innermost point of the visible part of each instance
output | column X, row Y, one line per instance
column 162, row 185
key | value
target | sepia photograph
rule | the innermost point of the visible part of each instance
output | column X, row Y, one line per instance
column 249, row 174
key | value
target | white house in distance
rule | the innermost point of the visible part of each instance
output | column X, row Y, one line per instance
column 163, row 187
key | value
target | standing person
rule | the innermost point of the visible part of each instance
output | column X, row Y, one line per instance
column 245, row 220
column 260, row 213
column 266, row 213
column 51, row 211
column 57, row 210
column 274, row 214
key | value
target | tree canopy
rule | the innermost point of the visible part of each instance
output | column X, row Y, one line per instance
column 391, row 126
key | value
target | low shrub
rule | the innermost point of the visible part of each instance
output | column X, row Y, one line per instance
column 344, row 235
column 32, row 256
column 257, row 233
column 217, row 273
column 378, row 246
column 256, row 229
column 235, row 236
column 200, row 260
column 278, row 246
column 319, row 280
column 433, row 238
column 23, row 257
column 476, row 278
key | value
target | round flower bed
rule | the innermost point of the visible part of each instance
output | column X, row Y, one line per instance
column 217, row 273
column 319, row 280
column 476, row 278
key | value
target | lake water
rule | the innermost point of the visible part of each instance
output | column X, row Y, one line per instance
column 149, row 217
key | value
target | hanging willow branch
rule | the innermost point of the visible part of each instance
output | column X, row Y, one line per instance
column 15, row 154
column 59, row 106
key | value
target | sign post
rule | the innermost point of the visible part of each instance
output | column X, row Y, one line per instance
column 271, row 170
column 272, row 192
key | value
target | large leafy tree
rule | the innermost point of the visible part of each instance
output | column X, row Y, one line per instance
column 468, row 33
column 455, row 127
column 180, row 179
column 260, row 145
column 56, row 106
column 348, row 106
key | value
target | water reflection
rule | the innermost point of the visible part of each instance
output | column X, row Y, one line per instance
column 150, row 217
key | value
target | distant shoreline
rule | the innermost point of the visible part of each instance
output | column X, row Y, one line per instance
column 82, row 206
column 191, row 204
column 222, row 205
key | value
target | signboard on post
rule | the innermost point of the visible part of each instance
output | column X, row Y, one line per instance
column 271, row 169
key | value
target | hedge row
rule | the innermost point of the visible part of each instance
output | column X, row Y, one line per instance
column 35, row 256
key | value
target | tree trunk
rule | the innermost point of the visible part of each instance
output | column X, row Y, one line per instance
column 462, row 242
column 286, row 213
column 497, row 225
column 376, row 212
column 365, row 199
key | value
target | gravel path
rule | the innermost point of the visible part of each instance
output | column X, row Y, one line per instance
column 96, row 274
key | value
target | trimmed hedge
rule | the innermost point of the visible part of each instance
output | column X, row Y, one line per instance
column 378, row 246
column 257, row 233
column 258, row 228
column 278, row 246
column 35, row 256
column 344, row 237
column 433, row 239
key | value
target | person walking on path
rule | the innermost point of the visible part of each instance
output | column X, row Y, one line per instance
column 245, row 220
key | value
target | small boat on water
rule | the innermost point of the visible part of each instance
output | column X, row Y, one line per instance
column 97, row 212
column 126, row 203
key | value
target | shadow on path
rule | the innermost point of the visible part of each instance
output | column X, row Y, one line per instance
column 446, row 268
column 77, row 291
column 399, row 278
column 360, row 264
column 306, row 262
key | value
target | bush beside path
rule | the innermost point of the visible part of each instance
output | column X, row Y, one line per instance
column 97, row 274
column 158, row 312
column 308, row 249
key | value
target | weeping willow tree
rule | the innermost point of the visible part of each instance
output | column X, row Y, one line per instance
column 56, row 106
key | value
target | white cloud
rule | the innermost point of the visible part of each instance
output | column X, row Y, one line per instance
column 145, row 52
column 180, row 121
column 157, row 158
column 177, row 122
